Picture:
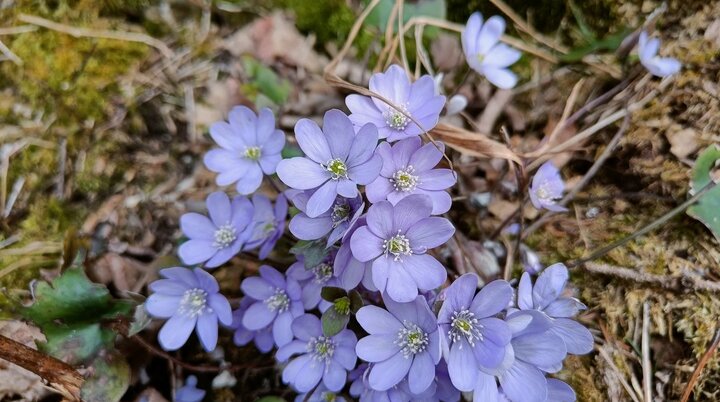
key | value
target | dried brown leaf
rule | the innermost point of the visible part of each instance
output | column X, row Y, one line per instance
column 471, row 143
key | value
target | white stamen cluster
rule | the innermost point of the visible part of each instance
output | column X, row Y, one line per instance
column 337, row 168
column 253, row 153
column 404, row 180
column 194, row 303
column 321, row 348
column 279, row 301
column 224, row 236
column 322, row 272
column 411, row 339
column 340, row 213
column 398, row 246
column 397, row 119
column 465, row 325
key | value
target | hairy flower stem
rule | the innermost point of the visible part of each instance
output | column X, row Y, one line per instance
column 648, row 228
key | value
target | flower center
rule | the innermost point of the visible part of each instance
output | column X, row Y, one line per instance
column 224, row 236
column 279, row 301
column 340, row 213
column 465, row 325
column 193, row 303
column 337, row 169
column 396, row 119
column 545, row 194
column 404, row 180
column 480, row 57
column 411, row 339
column 253, row 153
column 322, row 272
column 398, row 246
column 328, row 396
column 321, row 348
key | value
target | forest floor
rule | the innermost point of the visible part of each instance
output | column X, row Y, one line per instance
column 104, row 112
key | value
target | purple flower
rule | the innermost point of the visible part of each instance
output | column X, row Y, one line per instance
column 484, row 52
column 249, row 146
column 277, row 301
column 190, row 299
column 337, row 160
column 189, row 392
column 335, row 221
column 320, row 357
column 558, row 391
column 546, row 296
column 417, row 100
column 408, row 169
column 262, row 338
column 533, row 351
column 473, row 337
column 349, row 271
column 656, row 65
column 216, row 240
column 360, row 388
column 320, row 394
column 268, row 223
column 547, row 188
column 530, row 260
column 313, row 279
column 403, row 342
column 396, row 240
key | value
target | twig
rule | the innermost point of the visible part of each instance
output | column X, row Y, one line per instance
column 99, row 33
column 604, row 354
column 646, row 365
column 10, row 55
column 676, row 284
column 648, row 228
column 701, row 365
column 61, row 376
column 17, row 30
column 527, row 28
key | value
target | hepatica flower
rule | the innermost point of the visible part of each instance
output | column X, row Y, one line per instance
column 417, row 100
column 547, row 296
column 189, row 392
column 408, row 169
column 277, row 301
column 547, row 188
column 334, row 222
column 403, row 343
column 189, row 299
column 648, row 52
column 484, row 52
column 215, row 240
column 249, row 146
column 396, row 240
column 268, row 223
column 262, row 338
column 313, row 279
column 319, row 357
column 337, row 160
column 474, row 337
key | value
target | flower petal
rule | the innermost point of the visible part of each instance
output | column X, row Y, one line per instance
column 196, row 251
column 339, row 133
column 301, row 173
column 386, row 374
column 162, row 306
column 207, row 331
column 429, row 233
column 322, row 199
column 422, row 373
column 176, row 331
column 427, row 273
column 377, row 321
column 196, row 226
column 462, row 367
column 492, row 299
column 312, row 141
column 377, row 348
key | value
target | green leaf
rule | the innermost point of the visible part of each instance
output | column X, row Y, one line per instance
column 264, row 81
column 333, row 322
column 420, row 8
column 356, row 301
column 109, row 380
column 609, row 43
column 72, row 299
column 332, row 293
column 707, row 208
column 314, row 252
column 76, row 344
column 69, row 312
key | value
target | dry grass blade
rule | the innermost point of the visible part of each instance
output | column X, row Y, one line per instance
column 100, row 34
column 472, row 143
column 701, row 365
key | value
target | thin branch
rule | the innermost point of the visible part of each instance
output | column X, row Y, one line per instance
column 61, row 376
column 682, row 283
column 79, row 32
column 701, row 365
column 646, row 365
column 648, row 228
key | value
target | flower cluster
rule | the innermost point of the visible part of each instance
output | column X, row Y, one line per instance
column 368, row 196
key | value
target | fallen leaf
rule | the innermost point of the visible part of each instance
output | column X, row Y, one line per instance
column 471, row 143
column 683, row 143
